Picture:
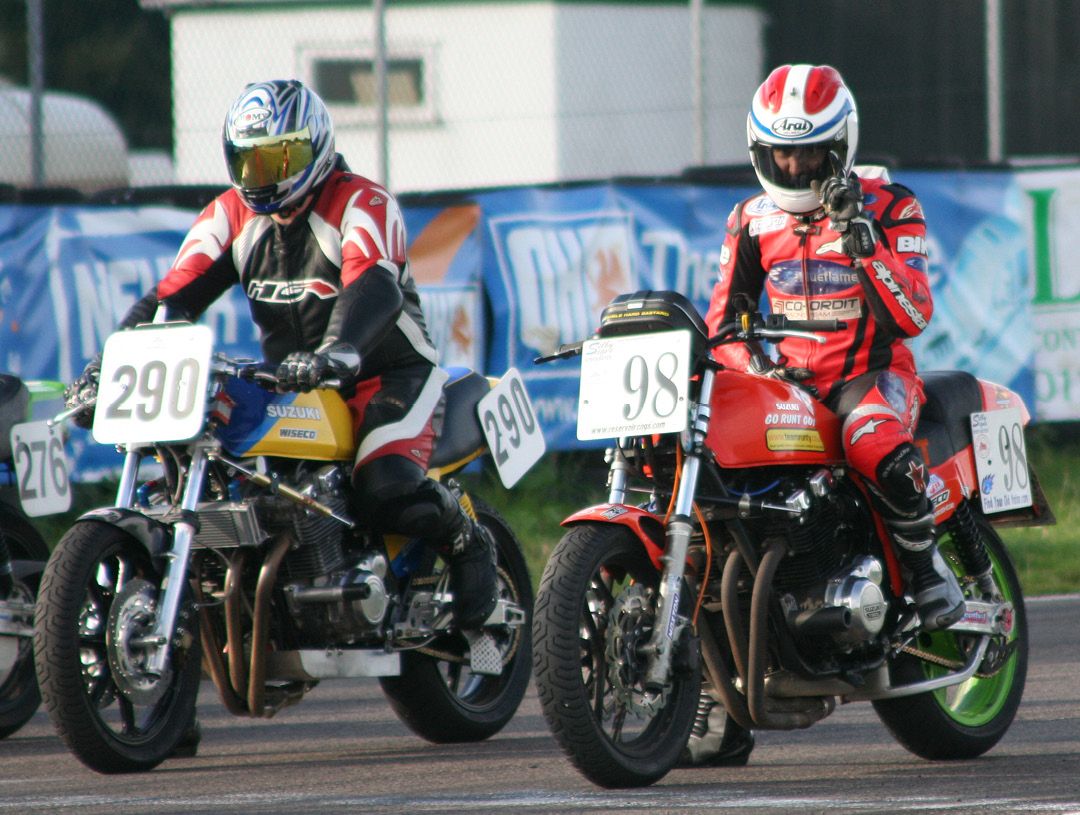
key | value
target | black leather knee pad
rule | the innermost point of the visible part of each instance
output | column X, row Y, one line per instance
column 397, row 497
column 901, row 479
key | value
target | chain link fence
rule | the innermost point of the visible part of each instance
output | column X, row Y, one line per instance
column 480, row 93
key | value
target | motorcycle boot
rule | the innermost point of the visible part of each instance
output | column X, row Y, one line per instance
column 938, row 596
column 471, row 558
column 716, row 740
column 900, row 490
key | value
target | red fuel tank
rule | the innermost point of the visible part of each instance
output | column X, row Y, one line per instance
column 758, row 421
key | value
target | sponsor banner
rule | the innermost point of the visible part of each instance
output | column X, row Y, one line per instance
column 508, row 274
column 1054, row 200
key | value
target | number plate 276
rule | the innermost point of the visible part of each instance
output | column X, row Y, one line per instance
column 634, row 385
column 153, row 385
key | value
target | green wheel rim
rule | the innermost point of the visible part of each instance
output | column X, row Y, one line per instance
column 978, row 701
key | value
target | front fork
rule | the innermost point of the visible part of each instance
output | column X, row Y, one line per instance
column 660, row 648
column 174, row 577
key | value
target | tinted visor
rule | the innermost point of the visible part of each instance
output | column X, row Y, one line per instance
column 266, row 160
column 799, row 164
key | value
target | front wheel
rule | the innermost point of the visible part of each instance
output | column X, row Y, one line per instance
column 19, row 696
column 595, row 612
column 965, row 720
column 437, row 695
column 97, row 598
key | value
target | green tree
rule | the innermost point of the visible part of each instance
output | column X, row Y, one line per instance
column 111, row 51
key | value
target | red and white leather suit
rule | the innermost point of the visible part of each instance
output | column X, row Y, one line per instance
column 865, row 372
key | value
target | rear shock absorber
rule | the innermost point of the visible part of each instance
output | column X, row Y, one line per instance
column 970, row 546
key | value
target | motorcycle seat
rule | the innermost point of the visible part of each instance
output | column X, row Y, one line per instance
column 945, row 424
column 14, row 400
column 461, row 435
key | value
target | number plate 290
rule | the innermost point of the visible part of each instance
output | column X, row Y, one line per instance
column 153, row 385
column 634, row 385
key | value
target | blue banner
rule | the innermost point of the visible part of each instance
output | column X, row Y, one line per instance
column 509, row 274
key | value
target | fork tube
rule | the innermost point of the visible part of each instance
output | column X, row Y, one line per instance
column 677, row 541
column 176, row 563
column 618, row 474
column 125, row 491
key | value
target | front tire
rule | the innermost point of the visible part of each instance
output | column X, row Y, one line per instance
column 97, row 594
column 597, row 598
column 441, row 700
column 966, row 720
column 19, row 695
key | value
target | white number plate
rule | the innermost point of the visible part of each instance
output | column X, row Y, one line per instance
column 634, row 385
column 153, row 385
column 511, row 427
column 41, row 467
column 1001, row 460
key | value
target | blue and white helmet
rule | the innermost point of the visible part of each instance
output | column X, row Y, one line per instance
column 279, row 144
column 801, row 106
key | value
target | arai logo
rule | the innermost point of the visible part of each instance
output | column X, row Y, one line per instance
column 791, row 126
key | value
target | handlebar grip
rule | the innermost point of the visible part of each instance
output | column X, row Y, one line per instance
column 816, row 325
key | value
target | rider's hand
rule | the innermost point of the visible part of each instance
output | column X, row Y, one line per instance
column 841, row 197
column 83, row 390
column 302, row 371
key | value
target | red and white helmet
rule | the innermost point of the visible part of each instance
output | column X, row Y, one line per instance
column 800, row 106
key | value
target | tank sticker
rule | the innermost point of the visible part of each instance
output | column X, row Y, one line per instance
column 279, row 411
column 783, row 438
column 297, row 433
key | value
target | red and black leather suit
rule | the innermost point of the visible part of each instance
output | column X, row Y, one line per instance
column 865, row 372
column 338, row 273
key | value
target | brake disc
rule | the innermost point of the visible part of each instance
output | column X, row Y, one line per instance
column 132, row 615
column 630, row 624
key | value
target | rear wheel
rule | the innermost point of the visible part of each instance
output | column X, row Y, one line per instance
column 437, row 695
column 19, row 696
column 97, row 598
column 965, row 720
column 595, row 612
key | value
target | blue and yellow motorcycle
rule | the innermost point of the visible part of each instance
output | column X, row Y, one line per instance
column 235, row 544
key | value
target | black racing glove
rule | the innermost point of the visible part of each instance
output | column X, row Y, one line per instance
column 305, row 370
column 841, row 197
column 302, row 371
column 83, row 390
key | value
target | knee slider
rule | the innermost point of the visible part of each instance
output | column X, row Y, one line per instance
column 901, row 479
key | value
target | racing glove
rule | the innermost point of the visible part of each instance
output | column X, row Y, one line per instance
column 842, row 199
column 84, row 389
column 305, row 370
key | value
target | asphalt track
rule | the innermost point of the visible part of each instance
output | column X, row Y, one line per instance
column 342, row 750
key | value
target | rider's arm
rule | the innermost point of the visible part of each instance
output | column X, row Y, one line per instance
column 373, row 265
column 203, row 269
column 894, row 276
column 741, row 273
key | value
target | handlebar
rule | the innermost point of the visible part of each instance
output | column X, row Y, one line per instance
column 772, row 327
column 748, row 326
column 260, row 373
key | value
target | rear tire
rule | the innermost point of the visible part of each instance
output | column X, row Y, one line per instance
column 597, row 596
column 445, row 702
column 19, row 695
column 96, row 594
column 966, row 720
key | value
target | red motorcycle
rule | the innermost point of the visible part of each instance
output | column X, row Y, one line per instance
column 750, row 568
